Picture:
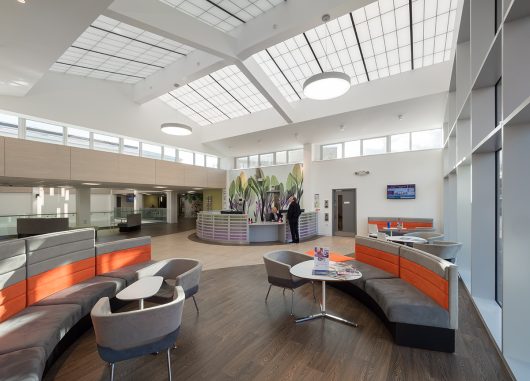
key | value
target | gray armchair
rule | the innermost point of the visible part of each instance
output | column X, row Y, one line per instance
column 429, row 236
column 182, row 272
column 443, row 249
column 126, row 335
column 278, row 265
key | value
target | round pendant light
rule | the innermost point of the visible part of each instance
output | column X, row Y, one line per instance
column 178, row 129
column 326, row 85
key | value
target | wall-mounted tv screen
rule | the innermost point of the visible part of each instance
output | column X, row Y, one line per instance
column 401, row 192
column 129, row 198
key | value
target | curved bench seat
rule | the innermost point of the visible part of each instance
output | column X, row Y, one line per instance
column 413, row 292
column 48, row 286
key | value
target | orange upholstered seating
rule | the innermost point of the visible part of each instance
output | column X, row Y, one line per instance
column 121, row 258
column 380, row 254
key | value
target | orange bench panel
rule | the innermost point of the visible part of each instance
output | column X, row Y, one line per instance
column 425, row 280
column 378, row 258
column 49, row 282
column 12, row 300
column 121, row 258
column 414, row 225
column 383, row 224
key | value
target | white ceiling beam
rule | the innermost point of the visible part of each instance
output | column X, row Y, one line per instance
column 35, row 34
column 288, row 20
column 187, row 69
column 163, row 20
column 258, row 78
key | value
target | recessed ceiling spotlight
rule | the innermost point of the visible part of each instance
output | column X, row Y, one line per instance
column 198, row 188
column 400, row 116
column 176, row 85
column 22, row 1
column 341, row 127
column 94, row 184
column 191, row 191
column 178, row 129
column 160, row 187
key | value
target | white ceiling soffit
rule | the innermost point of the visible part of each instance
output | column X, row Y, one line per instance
column 370, row 43
column 112, row 50
column 34, row 34
column 222, row 95
column 224, row 15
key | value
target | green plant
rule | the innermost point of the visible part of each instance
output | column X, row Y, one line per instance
column 295, row 182
column 239, row 188
column 260, row 185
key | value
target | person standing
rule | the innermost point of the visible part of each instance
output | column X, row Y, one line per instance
column 293, row 212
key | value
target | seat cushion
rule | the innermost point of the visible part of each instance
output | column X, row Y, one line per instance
column 85, row 294
column 38, row 326
column 403, row 303
column 25, row 364
column 369, row 272
column 128, row 273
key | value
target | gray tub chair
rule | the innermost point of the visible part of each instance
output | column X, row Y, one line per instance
column 183, row 272
column 126, row 335
column 278, row 265
column 429, row 236
column 443, row 249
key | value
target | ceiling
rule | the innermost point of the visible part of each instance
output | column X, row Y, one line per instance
column 229, row 68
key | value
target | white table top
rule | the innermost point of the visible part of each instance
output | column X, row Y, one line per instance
column 305, row 270
column 406, row 239
column 141, row 289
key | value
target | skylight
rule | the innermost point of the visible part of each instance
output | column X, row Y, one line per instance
column 222, row 95
column 223, row 14
column 370, row 43
column 116, row 51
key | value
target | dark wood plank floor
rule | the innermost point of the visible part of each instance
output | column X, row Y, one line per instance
column 237, row 336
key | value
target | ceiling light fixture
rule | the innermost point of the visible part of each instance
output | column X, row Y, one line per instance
column 328, row 84
column 22, row 1
column 178, row 129
column 94, row 184
column 160, row 187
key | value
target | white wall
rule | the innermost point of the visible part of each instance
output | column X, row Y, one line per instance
column 100, row 202
column 15, row 203
column 422, row 168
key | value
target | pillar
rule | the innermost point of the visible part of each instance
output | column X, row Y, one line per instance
column 172, row 207
column 308, row 196
column 82, row 206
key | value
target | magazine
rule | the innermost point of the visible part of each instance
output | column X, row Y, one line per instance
column 320, row 261
column 338, row 271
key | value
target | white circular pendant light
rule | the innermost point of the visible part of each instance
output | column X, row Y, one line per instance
column 178, row 129
column 326, row 85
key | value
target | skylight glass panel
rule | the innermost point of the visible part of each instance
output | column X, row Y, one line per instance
column 367, row 44
column 433, row 24
column 224, row 94
column 224, row 15
column 115, row 51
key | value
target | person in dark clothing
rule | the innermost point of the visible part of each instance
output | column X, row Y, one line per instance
column 293, row 212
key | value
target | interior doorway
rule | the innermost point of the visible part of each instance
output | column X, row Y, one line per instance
column 345, row 212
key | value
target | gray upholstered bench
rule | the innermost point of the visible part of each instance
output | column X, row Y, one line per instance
column 413, row 292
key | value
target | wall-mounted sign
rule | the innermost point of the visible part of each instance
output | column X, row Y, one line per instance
column 326, row 204
column 316, row 204
column 326, row 217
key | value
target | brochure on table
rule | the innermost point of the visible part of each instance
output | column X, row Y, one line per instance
column 321, row 261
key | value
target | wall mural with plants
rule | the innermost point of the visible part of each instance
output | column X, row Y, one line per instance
column 256, row 191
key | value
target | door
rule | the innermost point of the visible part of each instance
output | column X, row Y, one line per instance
column 344, row 212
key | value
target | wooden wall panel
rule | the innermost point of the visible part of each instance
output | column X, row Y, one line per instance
column 2, row 153
column 88, row 165
column 196, row 176
column 216, row 178
column 25, row 158
column 168, row 173
column 136, row 170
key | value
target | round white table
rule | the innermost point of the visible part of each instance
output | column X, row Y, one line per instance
column 141, row 289
column 406, row 239
column 305, row 270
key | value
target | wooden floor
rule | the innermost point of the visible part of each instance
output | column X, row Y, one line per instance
column 238, row 336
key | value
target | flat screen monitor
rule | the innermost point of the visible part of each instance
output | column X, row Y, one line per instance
column 129, row 198
column 401, row 192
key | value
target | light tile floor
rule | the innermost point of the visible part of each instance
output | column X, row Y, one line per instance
column 221, row 256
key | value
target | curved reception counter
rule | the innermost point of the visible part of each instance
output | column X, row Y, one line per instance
column 235, row 228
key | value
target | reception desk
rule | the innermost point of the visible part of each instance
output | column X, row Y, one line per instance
column 235, row 228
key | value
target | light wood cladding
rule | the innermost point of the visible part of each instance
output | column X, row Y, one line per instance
column 195, row 176
column 216, row 178
column 25, row 158
column 133, row 169
column 168, row 173
column 2, row 153
column 88, row 165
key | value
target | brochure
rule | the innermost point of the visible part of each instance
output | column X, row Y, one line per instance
column 321, row 261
